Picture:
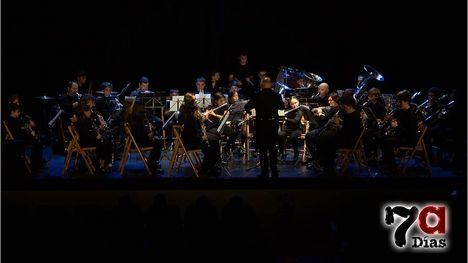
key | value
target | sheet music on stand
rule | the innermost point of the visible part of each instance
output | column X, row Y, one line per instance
column 203, row 100
column 175, row 103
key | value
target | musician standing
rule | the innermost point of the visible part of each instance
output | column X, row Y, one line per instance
column 243, row 73
column 266, row 104
column 81, row 79
column 215, row 84
column 403, row 130
column 321, row 98
column 292, row 128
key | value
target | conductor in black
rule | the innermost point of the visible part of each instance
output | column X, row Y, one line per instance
column 266, row 104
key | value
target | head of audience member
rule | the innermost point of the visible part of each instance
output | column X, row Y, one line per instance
column 323, row 89
column 106, row 88
column 201, row 84
column 266, row 83
column 143, row 84
column 403, row 99
column 373, row 95
column 348, row 104
column 334, row 100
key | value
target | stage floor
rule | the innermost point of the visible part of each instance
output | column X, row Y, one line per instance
column 234, row 169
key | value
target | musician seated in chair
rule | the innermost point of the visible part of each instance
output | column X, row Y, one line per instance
column 195, row 136
column 292, row 128
column 321, row 98
column 143, row 86
column 402, row 130
column 91, row 129
column 324, row 113
column 105, row 104
column 341, row 131
column 146, row 135
column 24, row 135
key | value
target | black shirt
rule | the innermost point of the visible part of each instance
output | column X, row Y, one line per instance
column 17, row 129
column 351, row 129
column 192, row 135
column 293, row 120
column 86, row 129
column 407, row 128
column 321, row 101
column 378, row 109
column 105, row 106
column 66, row 104
column 266, row 104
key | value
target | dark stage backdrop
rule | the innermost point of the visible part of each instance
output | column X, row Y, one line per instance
column 414, row 45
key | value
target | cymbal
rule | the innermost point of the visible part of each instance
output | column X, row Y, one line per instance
column 147, row 92
column 44, row 98
column 102, row 92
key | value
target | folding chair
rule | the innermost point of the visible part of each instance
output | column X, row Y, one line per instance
column 357, row 153
column 131, row 146
column 180, row 154
column 408, row 153
column 9, row 136
column 74, row 147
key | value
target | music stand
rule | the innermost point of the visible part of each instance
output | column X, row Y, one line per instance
column 203, row 100
column 175, row 103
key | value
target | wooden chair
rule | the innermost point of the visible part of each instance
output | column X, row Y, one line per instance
column 131, row 146
column 356, row 153
column 74, row 148
column 408, row 153
column 180, row 154
column 9, row 136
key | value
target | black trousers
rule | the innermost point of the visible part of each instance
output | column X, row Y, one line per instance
column 267, row 138
column 210, row 150
column 325, row 144
column 103, row 148
column 293, row 138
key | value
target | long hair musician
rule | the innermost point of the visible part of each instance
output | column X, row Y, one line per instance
column 196, row 136
column 91, row 129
